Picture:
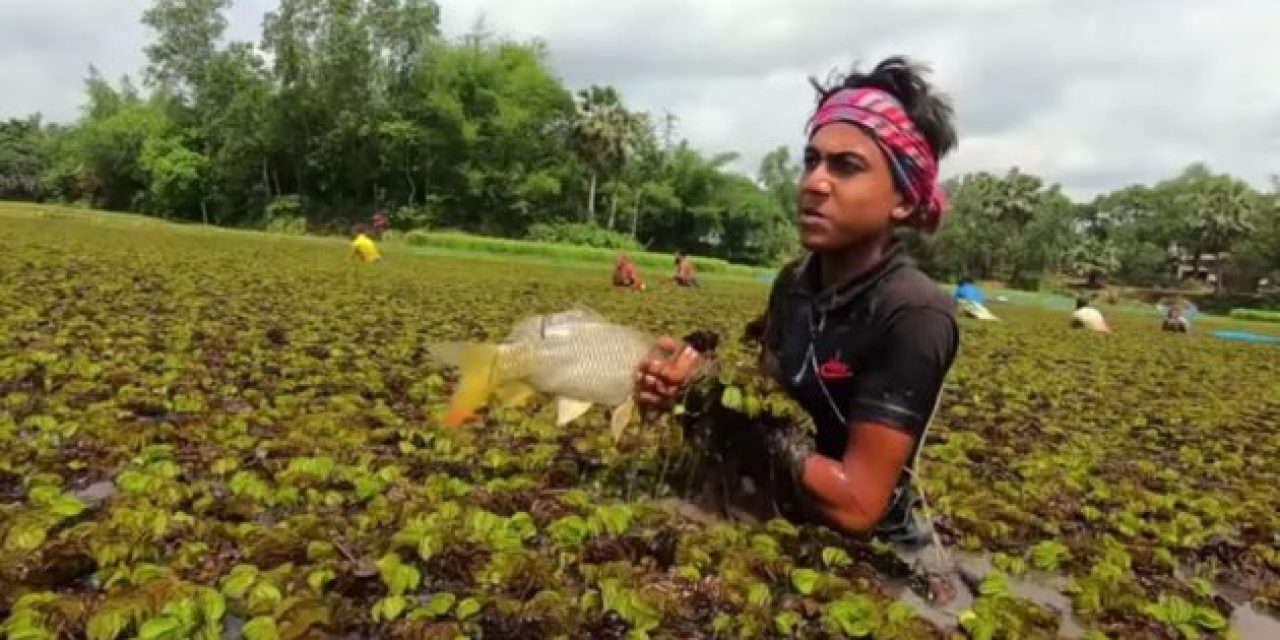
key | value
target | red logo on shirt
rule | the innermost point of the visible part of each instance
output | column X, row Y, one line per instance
column 834, row 370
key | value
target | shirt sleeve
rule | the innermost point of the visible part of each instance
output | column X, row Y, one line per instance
column 900, row 385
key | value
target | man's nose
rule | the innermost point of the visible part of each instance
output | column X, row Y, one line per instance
column 817, row 181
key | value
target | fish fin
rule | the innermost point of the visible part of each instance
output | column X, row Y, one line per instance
column 621, row 417
column 568, row 410
column 514, row 394
column 476, row 362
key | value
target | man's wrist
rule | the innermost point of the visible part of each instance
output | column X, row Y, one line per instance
column 801, row 452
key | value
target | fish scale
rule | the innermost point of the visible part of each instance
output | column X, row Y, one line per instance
column 589, row 361
column 575, row 355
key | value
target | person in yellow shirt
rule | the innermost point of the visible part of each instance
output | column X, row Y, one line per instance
column 362, row 246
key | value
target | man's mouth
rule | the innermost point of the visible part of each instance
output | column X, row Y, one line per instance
column 811, row 215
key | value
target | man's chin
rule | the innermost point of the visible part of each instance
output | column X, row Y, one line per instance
column 819, row 244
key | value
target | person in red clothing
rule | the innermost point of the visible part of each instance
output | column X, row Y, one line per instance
column 626, row 275
column 379, row 224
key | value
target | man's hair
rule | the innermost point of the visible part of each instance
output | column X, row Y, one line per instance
column 1082, row 303
column 964, row 280
column 930, row 111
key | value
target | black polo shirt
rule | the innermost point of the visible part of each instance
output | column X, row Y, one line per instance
column 874, row 348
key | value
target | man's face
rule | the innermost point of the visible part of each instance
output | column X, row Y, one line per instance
column 847, row 194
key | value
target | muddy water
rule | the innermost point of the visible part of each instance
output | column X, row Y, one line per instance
column 1252, row 624
column 1049, row 590
column 1043, row 588
column 96, row 493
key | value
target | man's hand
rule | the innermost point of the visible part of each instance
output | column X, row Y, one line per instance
column 790, row 452
column 660, row 380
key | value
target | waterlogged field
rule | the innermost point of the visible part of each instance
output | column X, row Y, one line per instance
column 220, row 434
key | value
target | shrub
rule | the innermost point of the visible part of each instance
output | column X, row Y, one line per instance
column 285, row 215
column 1257, row 315
column 418, row 216
column 581, row 234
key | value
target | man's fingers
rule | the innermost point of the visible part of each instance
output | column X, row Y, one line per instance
column 668, row 344
column 661, row 371
column 655, row 386
column 653, row 367
column 685, row 361
column 651, row 399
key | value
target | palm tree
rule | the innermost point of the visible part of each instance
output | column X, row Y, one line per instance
column 601, row 135
column 1221, row 209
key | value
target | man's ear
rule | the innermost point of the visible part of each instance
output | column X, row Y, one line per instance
column 902, row 212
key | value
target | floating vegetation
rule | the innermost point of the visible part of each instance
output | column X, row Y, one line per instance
column 211, row 434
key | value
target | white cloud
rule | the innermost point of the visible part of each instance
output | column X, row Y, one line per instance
column 1093, row 94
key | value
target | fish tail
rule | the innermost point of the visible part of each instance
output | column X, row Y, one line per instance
column 476, row 364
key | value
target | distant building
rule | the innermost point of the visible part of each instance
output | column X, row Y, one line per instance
column 1184, row 266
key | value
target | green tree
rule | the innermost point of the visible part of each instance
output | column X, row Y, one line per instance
column 23, row 158
column 603, row 134
column 1217, row 211
column 1257, row 255
column 176, row 177
column 1013, row 227
column 187, row 34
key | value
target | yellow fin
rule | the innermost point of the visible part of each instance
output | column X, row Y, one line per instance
column 568, row 410
column 621, row 417
column 476, row 362
column 514, row 394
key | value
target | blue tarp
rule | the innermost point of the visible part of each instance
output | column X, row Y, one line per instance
column 1245, row 336
column 969, row 291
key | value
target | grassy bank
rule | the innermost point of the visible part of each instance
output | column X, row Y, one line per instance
column 564, row 253
column 420, row 242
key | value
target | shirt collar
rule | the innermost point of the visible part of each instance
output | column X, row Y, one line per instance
column 808, row 276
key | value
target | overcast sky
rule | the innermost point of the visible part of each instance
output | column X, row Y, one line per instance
column 1093, row 94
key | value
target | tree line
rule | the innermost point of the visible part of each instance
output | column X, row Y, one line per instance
column 350, row 106
column 1198, row 224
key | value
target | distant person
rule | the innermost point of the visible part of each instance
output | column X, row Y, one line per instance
column 362, row 247
column 625, row 274
column 379, row 224
column 1176, row 316
column 970, row 300
column 1088, row 317
column 684, row 271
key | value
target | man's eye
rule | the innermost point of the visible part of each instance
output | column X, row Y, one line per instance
column 811, row 161
column 844, row 165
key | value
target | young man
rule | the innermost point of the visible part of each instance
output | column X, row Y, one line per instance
column 853, row 330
